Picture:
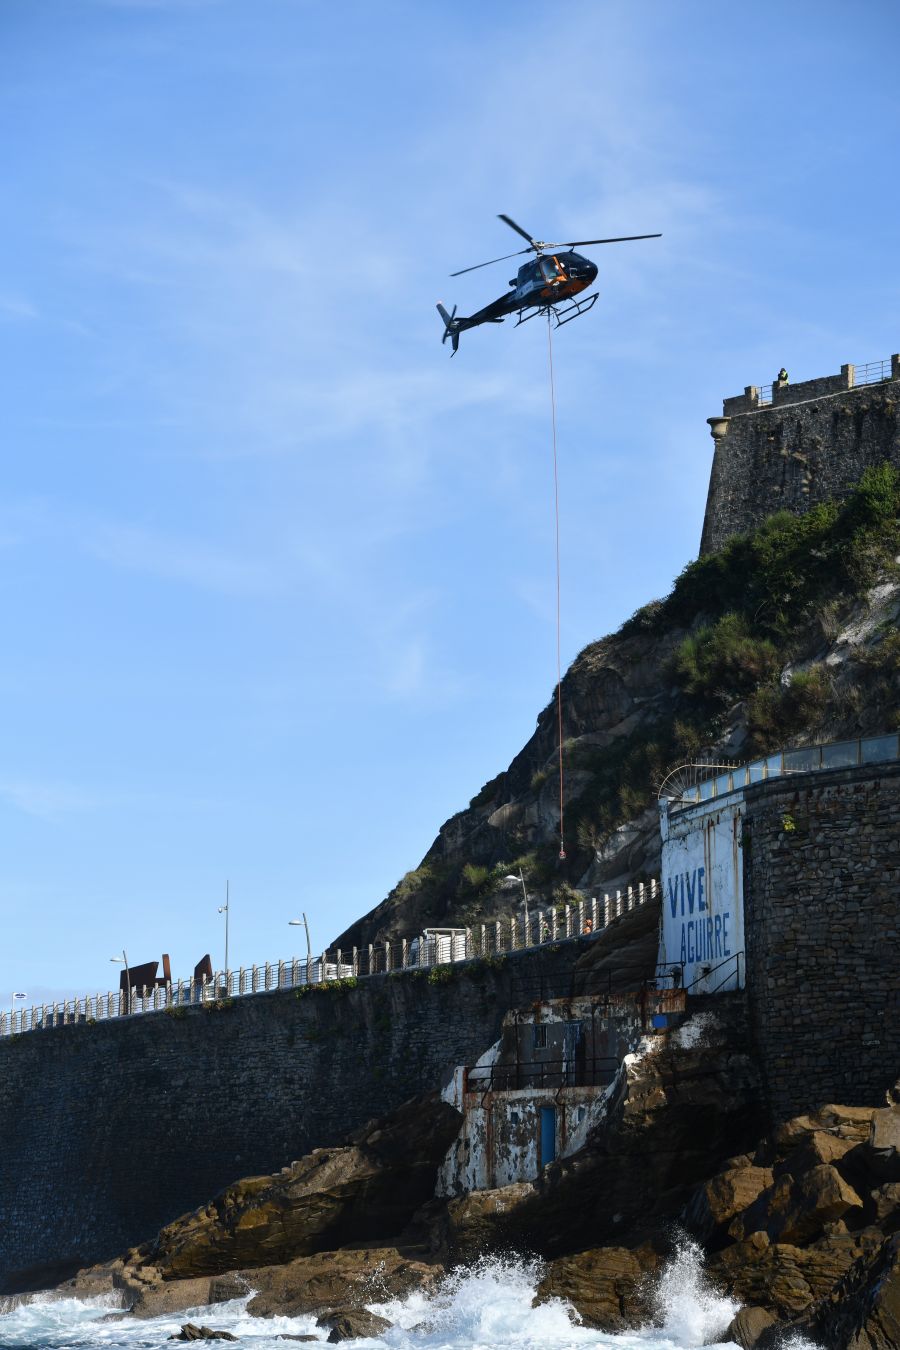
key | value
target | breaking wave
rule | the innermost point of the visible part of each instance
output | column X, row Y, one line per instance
column 484, row 1307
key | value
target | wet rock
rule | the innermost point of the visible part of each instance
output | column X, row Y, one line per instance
column 863, row 1311
column 367, row 1189
column 311, row 1284
column 295, row 1336
column 606, row 1286
column 817, row 1147
column 223, row 1288
column 820, row 1197
column 190, row 1332
column 785, row 1279
column 160, row 1299
column 349, row 1324
column 748, row 1326
column 468, row 1225
column 883, row 1144
column 844, row 1122
column 719, row 1201
column 886, row 1203
column 795, row 1211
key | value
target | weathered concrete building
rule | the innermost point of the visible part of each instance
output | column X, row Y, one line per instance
column 549, row 1080
column 788, row 447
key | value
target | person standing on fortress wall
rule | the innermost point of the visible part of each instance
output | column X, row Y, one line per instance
column 782, row 376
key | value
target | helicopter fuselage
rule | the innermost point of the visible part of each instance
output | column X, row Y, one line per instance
column 552, row 277
column 548, row 279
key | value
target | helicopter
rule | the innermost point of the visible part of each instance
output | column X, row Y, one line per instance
column 540, row 286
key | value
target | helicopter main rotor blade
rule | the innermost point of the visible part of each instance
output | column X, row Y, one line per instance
column 518, row 229
column 620, row 239
column 517, row 254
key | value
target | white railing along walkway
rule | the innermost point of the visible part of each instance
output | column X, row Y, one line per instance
column 436, row 947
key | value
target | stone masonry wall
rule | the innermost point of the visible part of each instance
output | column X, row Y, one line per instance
column 810, row 445
column 107, row 1131
column 822, row 933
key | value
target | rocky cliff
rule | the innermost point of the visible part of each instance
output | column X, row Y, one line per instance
column 784, row 636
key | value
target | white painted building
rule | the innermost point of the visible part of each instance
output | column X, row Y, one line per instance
column 536, row 1095
column 702, row 931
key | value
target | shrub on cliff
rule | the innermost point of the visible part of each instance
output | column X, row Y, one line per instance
column 774, row 576
column 776, row 712
column 724, row 660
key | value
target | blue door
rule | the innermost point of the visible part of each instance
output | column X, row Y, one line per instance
column 548, row 1135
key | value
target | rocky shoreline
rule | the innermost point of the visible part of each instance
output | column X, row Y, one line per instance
column 800, row 1224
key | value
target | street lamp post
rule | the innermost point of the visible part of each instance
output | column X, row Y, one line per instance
column 225, row 909
column 521, row 880
column 123, row 960
column 302, row 923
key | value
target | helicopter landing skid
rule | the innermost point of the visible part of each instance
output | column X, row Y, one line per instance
column 562, row 316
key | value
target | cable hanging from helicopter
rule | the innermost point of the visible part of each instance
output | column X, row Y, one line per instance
column 541, row 286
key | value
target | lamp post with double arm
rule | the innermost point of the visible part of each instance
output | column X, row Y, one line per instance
column 123, row 961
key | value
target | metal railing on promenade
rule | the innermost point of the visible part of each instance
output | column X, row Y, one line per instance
column 804, row 759
column 434, row 947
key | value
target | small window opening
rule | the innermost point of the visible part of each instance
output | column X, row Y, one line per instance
column 539, row 1036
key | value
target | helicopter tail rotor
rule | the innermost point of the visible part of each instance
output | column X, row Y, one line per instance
column 451, row 327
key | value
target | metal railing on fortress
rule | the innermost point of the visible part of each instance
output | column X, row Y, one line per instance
column 434, row 948
column 805, row 759
column 866, row 372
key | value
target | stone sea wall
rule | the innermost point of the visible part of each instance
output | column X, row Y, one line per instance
column 822, row 930
column 110, row 1130
column 811, row 444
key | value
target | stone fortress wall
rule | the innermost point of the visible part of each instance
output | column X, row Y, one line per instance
column 821, row 856
column 809, row 444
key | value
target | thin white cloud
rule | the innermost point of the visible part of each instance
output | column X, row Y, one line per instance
column 45, row 800
column 16, row 307
column 139, row 549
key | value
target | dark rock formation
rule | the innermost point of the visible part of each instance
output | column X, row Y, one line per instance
column 314, row 1284
column 609, row 1287
column 350, row 1324
column 190, row 1332
column 863, row 1311
column 749, row 1326
column 367, row 1189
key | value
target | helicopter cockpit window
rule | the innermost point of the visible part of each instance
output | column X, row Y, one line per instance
column 551, row 269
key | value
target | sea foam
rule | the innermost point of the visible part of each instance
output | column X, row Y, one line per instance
column 482, row 1307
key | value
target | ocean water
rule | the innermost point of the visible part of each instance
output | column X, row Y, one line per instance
column 480, row 1308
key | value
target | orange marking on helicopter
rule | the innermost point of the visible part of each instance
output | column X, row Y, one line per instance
column 562, row 290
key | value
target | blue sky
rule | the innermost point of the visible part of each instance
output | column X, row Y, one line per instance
column 277, row 576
